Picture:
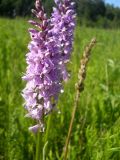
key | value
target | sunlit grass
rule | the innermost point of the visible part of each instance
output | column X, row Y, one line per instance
column 96, row 132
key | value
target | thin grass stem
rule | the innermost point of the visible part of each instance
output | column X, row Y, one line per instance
column 79, row 88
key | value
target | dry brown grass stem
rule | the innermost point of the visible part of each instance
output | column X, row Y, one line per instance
column 79, row 88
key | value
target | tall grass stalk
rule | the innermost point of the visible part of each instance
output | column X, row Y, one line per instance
column 79, row 88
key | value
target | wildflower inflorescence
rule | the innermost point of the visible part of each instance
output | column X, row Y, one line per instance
column 49, row 51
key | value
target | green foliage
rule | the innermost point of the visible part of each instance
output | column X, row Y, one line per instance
column 97, row 13
column 96, row 132
column 90, row 12
column 13, row 8
column 91, row 9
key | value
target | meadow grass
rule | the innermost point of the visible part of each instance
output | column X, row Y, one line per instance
column 96, row 130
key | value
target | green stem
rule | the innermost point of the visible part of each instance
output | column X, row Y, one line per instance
column 47, row 135
column 48, row 127
column 39, row 146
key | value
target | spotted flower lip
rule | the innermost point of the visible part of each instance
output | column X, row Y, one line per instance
column 49, row 50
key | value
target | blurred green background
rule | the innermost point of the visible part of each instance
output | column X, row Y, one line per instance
column 95, row 13
column 96, row 131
